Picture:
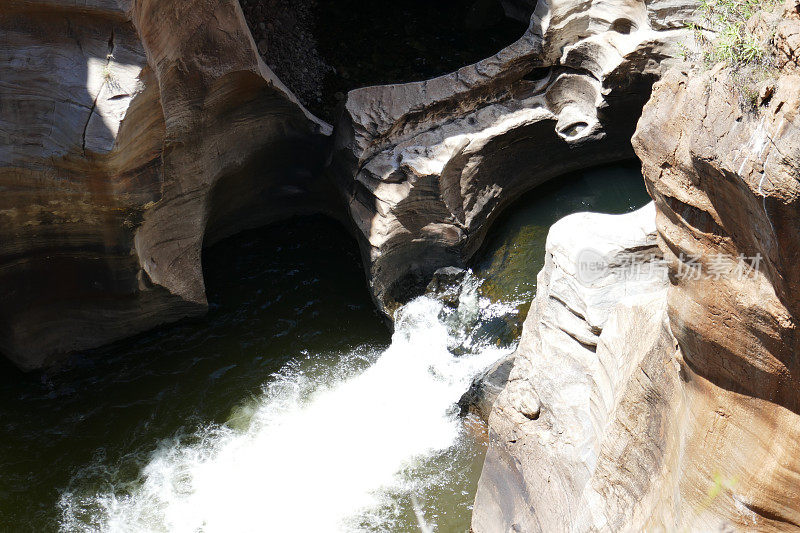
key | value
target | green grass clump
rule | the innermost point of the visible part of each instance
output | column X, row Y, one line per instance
column 724, row 34
column 722, row 31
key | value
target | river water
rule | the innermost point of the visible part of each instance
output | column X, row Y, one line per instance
column 289, row 407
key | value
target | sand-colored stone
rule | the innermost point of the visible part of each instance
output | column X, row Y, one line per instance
column 131, row 134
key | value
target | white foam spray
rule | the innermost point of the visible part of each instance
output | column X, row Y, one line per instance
column 319, row 452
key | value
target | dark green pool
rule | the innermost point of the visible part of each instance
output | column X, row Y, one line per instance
column 276, row 294
column 513, row 253
column 291, row 383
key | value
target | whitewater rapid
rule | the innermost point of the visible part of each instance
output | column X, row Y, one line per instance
column 318, row 451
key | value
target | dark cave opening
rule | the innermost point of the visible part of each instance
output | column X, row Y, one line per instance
column 323, row 49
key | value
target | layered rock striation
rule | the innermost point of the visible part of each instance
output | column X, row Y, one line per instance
column 425, row 167
column 131, row 133
column 593, row 376
column 724, row 179
column 695, row 427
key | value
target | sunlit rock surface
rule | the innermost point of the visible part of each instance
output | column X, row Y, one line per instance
column 130, row 134
column 688, row 419
column 592, row 378
column 724, row 177
column 426, row 166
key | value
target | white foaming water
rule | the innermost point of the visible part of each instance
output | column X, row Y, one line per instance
column 315, row 456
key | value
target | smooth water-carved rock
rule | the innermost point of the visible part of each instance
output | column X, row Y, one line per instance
column 425, row 167
column 130, row 135
column 696, row 426
column 591, row 376
column 136, row 132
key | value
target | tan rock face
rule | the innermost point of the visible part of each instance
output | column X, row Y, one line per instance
column 696, row 426
column 130, row 133
column 425, row 167
column 725, row 184
column 787, row 38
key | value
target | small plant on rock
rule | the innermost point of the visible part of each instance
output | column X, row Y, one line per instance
column 722, row 31
column 738, row 33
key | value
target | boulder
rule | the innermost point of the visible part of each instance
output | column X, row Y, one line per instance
column 485, row 388
column 446, row 284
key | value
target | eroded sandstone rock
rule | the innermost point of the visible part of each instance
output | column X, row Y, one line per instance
column 725, row 184
column 425, row 167
column 592, row 374
column 698, row 430
column 131, row 133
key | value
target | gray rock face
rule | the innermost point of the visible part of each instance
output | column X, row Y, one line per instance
column 585, row 401
column 425, row 167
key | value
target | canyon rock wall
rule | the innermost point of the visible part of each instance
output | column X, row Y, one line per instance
column 130, row 134
column 724, row 176
column 136, row 132
column 425, row 167
column 702, row 434
column 587, row 405
column 133, row 133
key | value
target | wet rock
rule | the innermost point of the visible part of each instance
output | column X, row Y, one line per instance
column 484, row 389
column 446, row 285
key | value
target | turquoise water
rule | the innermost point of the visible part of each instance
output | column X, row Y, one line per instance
column 513, row 253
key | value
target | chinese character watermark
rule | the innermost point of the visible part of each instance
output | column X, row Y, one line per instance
column 592, row 265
